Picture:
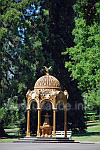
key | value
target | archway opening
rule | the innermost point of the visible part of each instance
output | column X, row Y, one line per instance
column 33, row 118
column 60, row 117
column 47, row 108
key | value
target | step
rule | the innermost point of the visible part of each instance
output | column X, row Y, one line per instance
column 44, row 140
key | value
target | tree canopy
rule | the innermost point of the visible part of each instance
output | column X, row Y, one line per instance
column 33, row 34
column 84, row 63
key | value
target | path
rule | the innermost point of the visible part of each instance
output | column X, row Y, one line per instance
column 49, row 146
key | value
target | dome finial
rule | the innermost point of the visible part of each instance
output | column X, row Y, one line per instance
column 47, row 70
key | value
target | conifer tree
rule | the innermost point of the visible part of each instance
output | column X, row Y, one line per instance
column 61, row 24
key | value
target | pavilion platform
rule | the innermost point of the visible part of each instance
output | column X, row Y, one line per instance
column 45, row 140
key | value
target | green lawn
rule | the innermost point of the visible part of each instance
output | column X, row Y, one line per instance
column 92, row 134
column 93, row 124
column 7, row 140
column 86, row 138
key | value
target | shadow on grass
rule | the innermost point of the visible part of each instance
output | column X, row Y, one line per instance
column 93, row 124
column 12, row 137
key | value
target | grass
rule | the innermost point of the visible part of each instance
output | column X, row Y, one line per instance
column 12, row 132
column 93, row 124
column 86, row 138
column 9, row 130
column 92, row 134
column 8, row 140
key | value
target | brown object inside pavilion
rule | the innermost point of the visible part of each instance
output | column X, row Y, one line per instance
column 46, row 128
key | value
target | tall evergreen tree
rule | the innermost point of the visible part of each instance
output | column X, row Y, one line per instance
column 61, row 24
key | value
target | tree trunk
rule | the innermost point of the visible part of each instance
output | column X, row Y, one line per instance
column 98, row 110
column 2, row 131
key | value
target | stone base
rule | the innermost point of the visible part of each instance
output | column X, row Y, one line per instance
column 45, row 140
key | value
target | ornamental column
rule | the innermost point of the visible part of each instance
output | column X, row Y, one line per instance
column 65, row 120
column 39, row 122
column 54, row 122
column 28, row 123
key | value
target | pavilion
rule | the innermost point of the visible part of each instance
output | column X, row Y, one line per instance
column 47, row 89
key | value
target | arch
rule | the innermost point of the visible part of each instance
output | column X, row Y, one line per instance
column 30, row 102
column 46, row 100
column 33, row 105
column 61, row 97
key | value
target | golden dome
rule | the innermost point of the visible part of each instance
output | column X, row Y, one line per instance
column 47, row 82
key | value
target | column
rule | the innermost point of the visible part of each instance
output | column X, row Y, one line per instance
column 28, row 123
column 65, row 128
column 54, row 122
column 39, row 122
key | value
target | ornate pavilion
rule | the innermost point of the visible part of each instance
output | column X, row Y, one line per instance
column 47, row 89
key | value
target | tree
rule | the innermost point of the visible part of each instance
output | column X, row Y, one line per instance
column 21, row 51
column 60, row 25
column 84, row 63
column 29, row 37
column 8, row 19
